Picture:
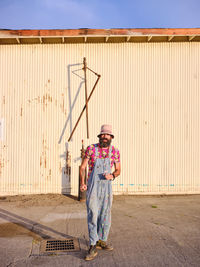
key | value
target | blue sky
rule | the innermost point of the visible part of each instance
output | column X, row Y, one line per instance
column 99, row 14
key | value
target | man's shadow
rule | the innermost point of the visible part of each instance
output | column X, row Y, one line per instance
column 66, row 169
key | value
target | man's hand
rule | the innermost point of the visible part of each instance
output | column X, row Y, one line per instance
column 83, row 187
column 116, row 172
column 108, row 176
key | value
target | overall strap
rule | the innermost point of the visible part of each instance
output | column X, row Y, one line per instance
column 110, row 150
column 96, row 151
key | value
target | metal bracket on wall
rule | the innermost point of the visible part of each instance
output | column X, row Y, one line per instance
column 86, row 99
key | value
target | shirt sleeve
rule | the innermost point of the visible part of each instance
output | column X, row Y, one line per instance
column 116, row 156
column 89, row 152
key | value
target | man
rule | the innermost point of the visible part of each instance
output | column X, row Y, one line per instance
column 100, row 158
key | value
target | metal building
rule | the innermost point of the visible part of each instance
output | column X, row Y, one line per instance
column 148, row 91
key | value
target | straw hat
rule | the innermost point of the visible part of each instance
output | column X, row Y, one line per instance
column 106, row 129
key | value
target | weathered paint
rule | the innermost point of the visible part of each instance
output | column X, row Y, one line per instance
column 100, row 32
column 149, row 92
column 99, row 36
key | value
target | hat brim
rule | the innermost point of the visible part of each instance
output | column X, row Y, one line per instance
column 106, row 133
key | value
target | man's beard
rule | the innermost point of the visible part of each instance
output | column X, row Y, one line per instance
column 104, row 143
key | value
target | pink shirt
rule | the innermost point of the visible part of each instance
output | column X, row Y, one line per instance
column 102, row 153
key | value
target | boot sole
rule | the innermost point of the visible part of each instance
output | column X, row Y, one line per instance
column 89, row 259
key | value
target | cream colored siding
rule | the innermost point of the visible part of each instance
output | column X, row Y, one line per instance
column 149, row 92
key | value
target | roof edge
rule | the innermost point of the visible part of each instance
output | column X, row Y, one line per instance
column 4, row 33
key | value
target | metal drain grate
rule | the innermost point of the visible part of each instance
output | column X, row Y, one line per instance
column 61, row 245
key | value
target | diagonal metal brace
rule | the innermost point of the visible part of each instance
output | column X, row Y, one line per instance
column 99, row 76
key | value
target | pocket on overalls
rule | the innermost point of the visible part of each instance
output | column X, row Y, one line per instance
column 101, row 177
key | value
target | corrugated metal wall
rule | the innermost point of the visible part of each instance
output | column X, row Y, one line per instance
column 149, row 92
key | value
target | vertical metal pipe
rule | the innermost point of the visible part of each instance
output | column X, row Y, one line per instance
column 82, row 195
column 86, row 98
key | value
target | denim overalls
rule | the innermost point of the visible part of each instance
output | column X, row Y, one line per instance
column 99, row 200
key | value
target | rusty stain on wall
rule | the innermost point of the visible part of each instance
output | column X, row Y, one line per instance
column 4, row 100
column 43, row 157
column 21, row 112
column 49, row 98
column 48, row 177
column 62, row 104
column 2, row 164
column 44, row 100
column 3, row 161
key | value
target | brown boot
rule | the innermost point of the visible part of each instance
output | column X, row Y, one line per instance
column 103, row 245
column 92, row 253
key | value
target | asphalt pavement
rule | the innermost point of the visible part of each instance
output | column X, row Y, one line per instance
column 145, row 231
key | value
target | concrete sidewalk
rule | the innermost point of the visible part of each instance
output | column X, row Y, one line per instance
column 146, row 231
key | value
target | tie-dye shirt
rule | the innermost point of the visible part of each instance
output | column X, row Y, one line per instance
column 102, row 153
